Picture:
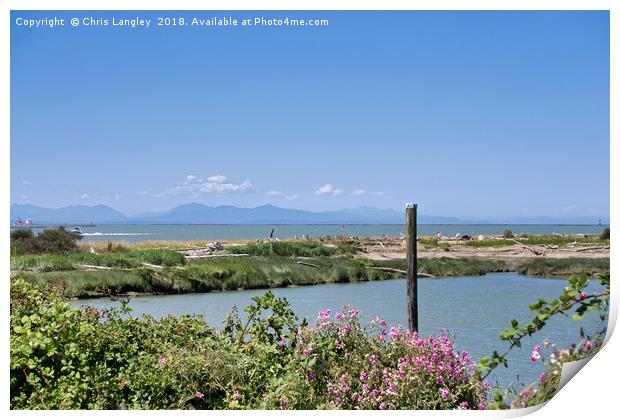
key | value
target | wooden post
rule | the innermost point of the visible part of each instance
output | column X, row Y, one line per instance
column 412, row 265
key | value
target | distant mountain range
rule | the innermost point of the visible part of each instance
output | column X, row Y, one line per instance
column 195, row 213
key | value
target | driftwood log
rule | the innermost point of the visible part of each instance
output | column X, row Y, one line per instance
column 308, row 264
column 192, row 257
column 396, row 270
column 592, row 248
column 529, row 248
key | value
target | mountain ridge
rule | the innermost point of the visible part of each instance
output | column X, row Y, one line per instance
column 198, row 213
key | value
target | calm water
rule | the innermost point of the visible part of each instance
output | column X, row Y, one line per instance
column 138, row 233
column 472, row 309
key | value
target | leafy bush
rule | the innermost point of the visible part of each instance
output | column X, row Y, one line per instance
column 64, row 358
column 22, row 242
column 605, row 235
column 508, row 234
column 49, row 241
column 574, row 299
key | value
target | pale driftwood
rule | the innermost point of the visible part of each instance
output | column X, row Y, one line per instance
column 98, row 267
column 593, row 248
column 308, row 264
column 396, row 270
column 192, row 257
column 529, row 248
column 152, row 265
column 382, row 246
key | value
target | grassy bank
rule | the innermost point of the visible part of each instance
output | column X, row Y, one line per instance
column 564, row 267
column 562, row 241
column 223, row 274
column 124, row 259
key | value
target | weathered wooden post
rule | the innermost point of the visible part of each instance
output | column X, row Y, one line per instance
column 412, row 265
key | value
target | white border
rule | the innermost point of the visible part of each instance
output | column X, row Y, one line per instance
column 590, row 395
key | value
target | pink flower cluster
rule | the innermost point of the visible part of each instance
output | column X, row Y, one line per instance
column 392, row 370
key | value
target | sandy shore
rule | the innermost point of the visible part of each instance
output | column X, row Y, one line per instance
column 512, row 254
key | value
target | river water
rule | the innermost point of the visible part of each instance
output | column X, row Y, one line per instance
column 474, row 310
column 138, row 233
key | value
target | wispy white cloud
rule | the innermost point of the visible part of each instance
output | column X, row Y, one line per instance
column 194, row 185
column 27, row 183
column 292, row 197
column 23, row 197
column 569, row 208
column 360, row 192
column 217, row 179
column 143, row 192
column 328, row 189
column 85, row 197
column 275, row 194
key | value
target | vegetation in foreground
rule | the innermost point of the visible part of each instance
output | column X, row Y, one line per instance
column 574, row 301
column 64, row 358
column 67, row 358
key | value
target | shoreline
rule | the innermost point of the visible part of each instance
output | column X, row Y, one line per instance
column 132, row 295
column 172, row 267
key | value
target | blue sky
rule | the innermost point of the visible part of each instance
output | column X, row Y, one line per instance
column 471, row 114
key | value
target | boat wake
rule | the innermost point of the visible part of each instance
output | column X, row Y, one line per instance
column 116, row 234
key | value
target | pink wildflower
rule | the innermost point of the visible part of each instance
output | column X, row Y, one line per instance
column 382, row 406
column 353, row 313
column 282, row 342
column 163, row 361
column 373, row 358
column 542, row 377
column 583, row 295
column 444, row 393
column 465, row 406
column 199, row 394
column 535, row 354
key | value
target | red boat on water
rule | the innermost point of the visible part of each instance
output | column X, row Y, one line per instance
column 23, row 223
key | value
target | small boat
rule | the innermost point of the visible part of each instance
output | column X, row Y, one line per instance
column 23, row 223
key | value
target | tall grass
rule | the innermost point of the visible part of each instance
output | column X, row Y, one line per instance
column 126, row 259
column 292, row 249
column 540, row 240
column 564, row 266
column 230, row 273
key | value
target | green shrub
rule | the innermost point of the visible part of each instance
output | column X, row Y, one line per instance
column 49, row 241
column 65, row 358
column 605, row 235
